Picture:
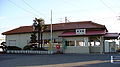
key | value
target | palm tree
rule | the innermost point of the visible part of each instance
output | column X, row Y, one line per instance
column 40, row 27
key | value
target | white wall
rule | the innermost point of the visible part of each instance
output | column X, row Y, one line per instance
column 78, row 49
column 110, row 46
column 107, row 47
column 75, row 38
column 95, row 49
column 21, row 39
column 47, row 35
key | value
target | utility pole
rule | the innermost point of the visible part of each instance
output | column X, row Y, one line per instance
column 51, row 31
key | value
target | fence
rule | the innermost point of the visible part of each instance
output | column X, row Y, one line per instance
column 29, row 52
column 115, row 59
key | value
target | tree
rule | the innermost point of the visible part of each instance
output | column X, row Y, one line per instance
column 33, row 38
column 4, row 47
column 39, row 25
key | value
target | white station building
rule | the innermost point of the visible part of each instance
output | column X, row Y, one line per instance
column 78, row 37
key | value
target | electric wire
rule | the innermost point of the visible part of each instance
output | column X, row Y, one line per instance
column 32, row 7
column 118, row 17
column 22, row 8
column 107, row 6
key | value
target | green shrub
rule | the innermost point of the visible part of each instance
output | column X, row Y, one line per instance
column 13, row 48
column 30, row 47
column 27, row 47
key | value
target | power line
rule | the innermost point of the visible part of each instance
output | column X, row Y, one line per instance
column 22, row 8
column 107, row 6
column 118, row 17
column 31, row 7
column 71, row 4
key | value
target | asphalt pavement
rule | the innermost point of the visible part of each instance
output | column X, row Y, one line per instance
column 57, row 60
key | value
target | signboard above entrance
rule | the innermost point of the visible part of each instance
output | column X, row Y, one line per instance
column 80, row 31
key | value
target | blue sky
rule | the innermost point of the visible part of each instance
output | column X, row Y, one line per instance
column 16, row 13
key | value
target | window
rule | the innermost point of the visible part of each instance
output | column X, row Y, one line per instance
column 80, row 43
column 80, row 31
column 70, row 43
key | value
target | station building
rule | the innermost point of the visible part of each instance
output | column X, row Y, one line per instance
column 78, row 37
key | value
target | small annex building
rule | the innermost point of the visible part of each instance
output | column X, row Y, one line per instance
column 78, row 37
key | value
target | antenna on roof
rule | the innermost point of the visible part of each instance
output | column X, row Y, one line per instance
column 118, row 17
column 66, row 20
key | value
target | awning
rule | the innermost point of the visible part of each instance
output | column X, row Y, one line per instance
column 109, row 36
column 92, row 32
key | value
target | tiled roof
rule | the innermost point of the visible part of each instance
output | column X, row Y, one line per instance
column 22, row 29
column 57, row 27
column 110, row 35
column 76, row 25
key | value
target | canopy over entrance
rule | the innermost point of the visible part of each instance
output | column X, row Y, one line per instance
column 109, row 36
column 88, row 33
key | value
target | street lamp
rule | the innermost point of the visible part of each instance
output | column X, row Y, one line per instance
column 38, row 27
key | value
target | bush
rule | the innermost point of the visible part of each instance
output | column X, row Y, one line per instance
column 13, row 48
column 30, row 47
column 27, row 47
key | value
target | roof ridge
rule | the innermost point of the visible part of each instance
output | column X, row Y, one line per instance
column 71, row 22
column 112, row 33
column 11, row 30
column 97, row 23
column 26, row 26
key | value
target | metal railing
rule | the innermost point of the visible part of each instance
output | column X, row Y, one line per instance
column 29, row 52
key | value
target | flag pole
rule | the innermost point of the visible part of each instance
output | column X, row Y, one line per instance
column 51, row 33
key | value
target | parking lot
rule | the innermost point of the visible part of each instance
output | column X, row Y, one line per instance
column 57, row 60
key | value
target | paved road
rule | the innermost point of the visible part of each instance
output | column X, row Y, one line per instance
column 58, row 60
